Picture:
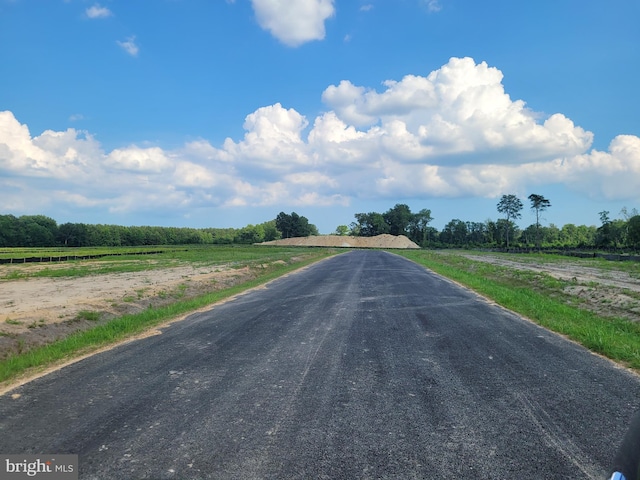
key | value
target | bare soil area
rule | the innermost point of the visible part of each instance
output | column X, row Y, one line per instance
column 35, row 311
column 379, row 241
column 608, row 292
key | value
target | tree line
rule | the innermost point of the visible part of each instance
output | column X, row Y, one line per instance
column 43, row 231
column 501, row 233
column 617, row 234
column 398, row 220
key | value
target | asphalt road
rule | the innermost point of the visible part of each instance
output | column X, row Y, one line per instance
column 363, row 366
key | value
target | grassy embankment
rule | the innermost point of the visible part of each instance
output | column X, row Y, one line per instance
column 540, row 297
column 267, row 263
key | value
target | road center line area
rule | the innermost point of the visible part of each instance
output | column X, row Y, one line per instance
column 362, row 366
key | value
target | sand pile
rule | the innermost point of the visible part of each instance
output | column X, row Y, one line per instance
column 379, row 241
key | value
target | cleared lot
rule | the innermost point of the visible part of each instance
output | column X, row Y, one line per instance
column 41, row 303
column 361, row 366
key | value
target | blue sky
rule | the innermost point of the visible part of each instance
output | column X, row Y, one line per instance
column 221, row 113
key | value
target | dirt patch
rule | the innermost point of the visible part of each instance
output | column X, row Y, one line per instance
column 607, row 292
column 36, row 311
column 569, row 271
column 379, row 241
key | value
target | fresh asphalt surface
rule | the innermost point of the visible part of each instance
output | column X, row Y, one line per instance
column 364, row 365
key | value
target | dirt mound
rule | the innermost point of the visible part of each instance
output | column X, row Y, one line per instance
column 379, row 241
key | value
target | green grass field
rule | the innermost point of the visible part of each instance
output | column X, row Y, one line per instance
column 128, row 259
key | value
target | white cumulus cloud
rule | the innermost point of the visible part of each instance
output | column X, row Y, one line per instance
column 433, row 5
column 611, row 175
column 452, row 133
column 458, row 110
column 97, row 11
column 273, row 141
column 129, row 46
column 51, row 154
column 294, row 22
column 136, row 159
